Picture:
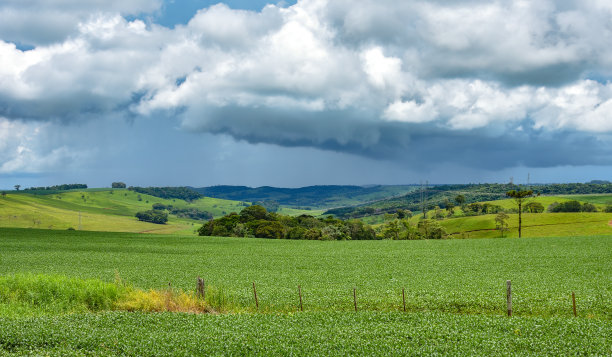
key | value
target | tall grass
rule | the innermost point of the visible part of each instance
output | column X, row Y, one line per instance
column 26, row 294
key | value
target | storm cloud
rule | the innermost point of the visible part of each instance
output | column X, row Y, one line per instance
column 481, row 84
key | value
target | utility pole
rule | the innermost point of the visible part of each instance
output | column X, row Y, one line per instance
column 424, row 199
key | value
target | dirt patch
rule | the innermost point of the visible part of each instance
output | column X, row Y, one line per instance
column 610, row 223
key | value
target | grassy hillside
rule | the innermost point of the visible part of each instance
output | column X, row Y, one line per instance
column 534, row 224
column 438, row 195
column 601, row 199
column 108, row 210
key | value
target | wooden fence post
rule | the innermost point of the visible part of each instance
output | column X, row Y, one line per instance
column 404, row 298
column 255, row 294
column 355, row 297
column 300, row 292
column 200, row 289
column 574, row 303
column 509, row 297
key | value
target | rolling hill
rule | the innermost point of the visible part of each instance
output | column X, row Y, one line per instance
column 310, row 196
column 108, row 210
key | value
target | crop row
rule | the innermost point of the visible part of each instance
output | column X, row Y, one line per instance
column 364, row 333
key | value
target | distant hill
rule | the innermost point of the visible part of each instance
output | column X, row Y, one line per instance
column 439, row 194
column 310, row 196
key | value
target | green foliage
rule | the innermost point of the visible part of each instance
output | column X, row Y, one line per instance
column 430, row 229
column 189, row 213
column 255, row 221
column 64, row 187
column 54, row 293
column 501, row 222
column 572, row 206
column 118, row 185
column 153, row 216
column 269, row 205
column 302, row 334
column 533, row 207
column 441, row 195
column 182, row 193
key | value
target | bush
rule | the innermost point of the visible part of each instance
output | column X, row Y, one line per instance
column 153, row 216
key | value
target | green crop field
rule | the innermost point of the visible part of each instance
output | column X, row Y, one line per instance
column 304, row 334
column 466, row 276
column 455, row 295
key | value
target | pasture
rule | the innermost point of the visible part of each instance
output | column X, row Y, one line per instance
column 107, row 210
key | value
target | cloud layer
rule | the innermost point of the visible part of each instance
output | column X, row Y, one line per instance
column 483, row 84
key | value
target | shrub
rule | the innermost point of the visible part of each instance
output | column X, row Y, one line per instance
column 153, row 216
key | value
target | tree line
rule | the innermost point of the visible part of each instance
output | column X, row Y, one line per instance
column 256, row 221
column 64, row 187
column 182, row 193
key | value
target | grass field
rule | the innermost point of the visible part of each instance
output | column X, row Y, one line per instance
column 455, row 295
column 460, row 276
column 108, row 210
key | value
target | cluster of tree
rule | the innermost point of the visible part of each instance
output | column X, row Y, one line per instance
column 153, row 216
column 256, row 221
column 402, row 229
column 191, row 213
column 182, row 193
column 64, row 187
column 476, row 208
column 572, row 206
column 118, row 185
column 576, row 188
column 270, row 206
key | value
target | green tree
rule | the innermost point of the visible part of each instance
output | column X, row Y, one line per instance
column 153, row 216
column 391, row 230
column 460, row 199
column 17, row 187
column 501, row 222
column 534, row 207
column 118, row 185
column 253, row 213
column 520, row 198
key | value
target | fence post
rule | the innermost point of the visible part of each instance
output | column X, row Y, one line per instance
column 355, row 297
column 574, row 304
column 200, row 288
column 509, row 297
column 255, row 294
column 300, row 291
column 404, row 298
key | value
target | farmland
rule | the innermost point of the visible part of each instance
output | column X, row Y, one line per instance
column 318, row 333
column 460, row 276
column 455, row 294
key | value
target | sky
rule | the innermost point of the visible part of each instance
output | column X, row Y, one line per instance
column 307, row 92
